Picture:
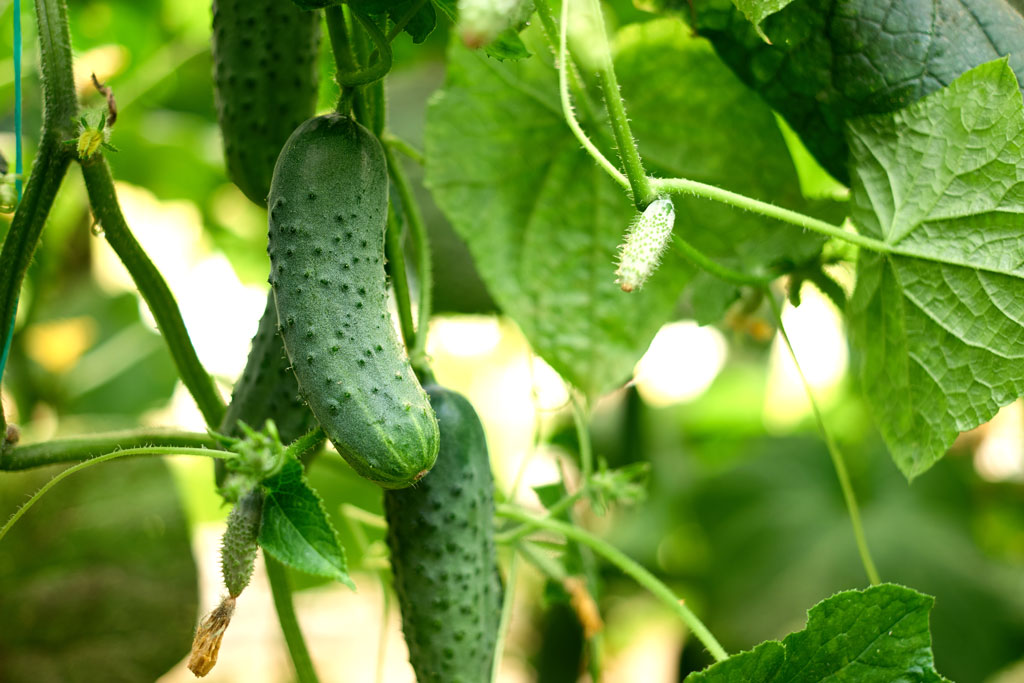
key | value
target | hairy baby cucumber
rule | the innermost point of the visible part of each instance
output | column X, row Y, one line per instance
column 441, row 536
column 265, row 81
column 328, row 210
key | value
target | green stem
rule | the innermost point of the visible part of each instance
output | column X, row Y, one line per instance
column 640, row 184
column 506, row 616
column 51, row 163
column 153, row 288
column 553, row 512
column 421, row 245
column 306, row 443
column 696, row 189
column 701, row 260
column 148, row 450
column 396, row 268
column 628, row 566
column 837, row 457
column 567, row 112
column 59, row 98
column 281, row 590
column 394, row 142
column 87, row 447
column 375, row 70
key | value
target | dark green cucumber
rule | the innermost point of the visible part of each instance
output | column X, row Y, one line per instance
column 328, row 209
column 265, row 81
column 441, row 535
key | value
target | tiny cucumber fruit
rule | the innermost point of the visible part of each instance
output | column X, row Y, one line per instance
column 328, row 210
column 239, row 544
column 265, row 82
column 441, row 536
column 645, row 242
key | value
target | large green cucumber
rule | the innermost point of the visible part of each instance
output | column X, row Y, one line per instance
column 265, row 81
column 328, row 210
column 441, row 535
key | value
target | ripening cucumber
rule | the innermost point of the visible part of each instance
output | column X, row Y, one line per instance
column 441, row 536
column 265, row 81
column 328, row 210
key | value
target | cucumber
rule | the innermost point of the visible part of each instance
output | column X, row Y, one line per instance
column 328, row 209
column 441, row 536
column 265, row 83
column 239, row 545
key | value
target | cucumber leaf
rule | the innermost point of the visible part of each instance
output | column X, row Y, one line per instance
column 543, row 222
column 832, row 60
column 939, row 321
column 877, row 635
column 295, row 528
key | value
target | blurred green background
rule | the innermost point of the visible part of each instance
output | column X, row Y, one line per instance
column 743, row 516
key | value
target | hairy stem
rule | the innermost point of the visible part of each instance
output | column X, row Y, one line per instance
column 639, row 183
column 147, row 450
column 373, row 71
column 153, row 288
column 421, row 244
column 702, row 261
column 563, row 92
column 93, row 445
column 396, row 268
column 837, row 457
column 281, row 590
column 696, row 189
column 628, row 566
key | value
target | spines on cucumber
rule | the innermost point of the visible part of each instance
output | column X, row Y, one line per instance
column 441, row 536
column 328, row 210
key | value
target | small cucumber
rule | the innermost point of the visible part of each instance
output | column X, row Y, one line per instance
column 265, row 81
column 239, row 545
column 328, row 210
column 441, row 536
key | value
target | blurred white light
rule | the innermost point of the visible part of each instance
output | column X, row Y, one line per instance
column 1000, row 455
column 680, row 364
column 815, row 329
column 469, row 335
column 548, row 387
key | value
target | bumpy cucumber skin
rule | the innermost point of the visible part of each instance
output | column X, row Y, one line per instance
column 328, row 210
column 267, row 387
column 239, row 545
column 265, row 81
column 441, row 535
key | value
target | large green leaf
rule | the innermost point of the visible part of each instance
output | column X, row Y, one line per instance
column 878, row 635
column 97, row 580
column 543, row 222
column 295, row 528
column 940, row 320
column 831, row 60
